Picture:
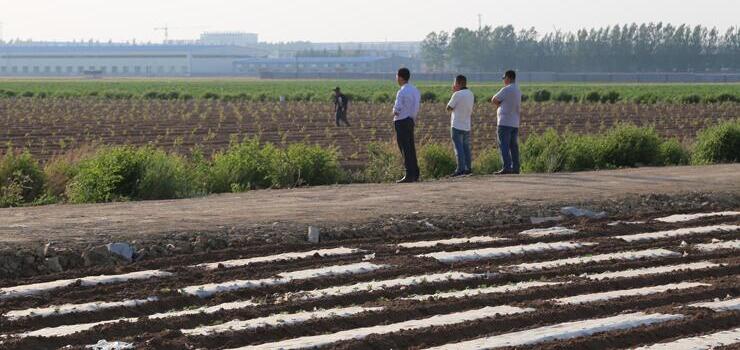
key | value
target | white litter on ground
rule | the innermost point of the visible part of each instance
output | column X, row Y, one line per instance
column 720, row 305
column 63, row 331
column 632, row 255
column 384, row 284
column 545, row 232
column 710, row 247
column 360, row 333
column 500, row 252
column 205, row 310
column 702, row 342
column 652, row 236
column 278, row 320
column 74, row 308
column 480, row 291
column 652, row 270
column 453, row 241
column 561, row 331
column 38, row 288
column 689, row 217
column 280, row 257
column 207, row 290
column 617, row 223
column 105, row 345
column 594, row 297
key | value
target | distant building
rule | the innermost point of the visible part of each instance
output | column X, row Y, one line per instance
column 214, row 54
column 121, row 60
column 368, row 64
column 229, row 38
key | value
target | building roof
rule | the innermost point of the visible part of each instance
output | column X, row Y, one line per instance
column 305, row 60
column 86, row 48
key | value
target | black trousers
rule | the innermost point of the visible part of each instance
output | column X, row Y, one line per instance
column 405, row 138
column 341, row 116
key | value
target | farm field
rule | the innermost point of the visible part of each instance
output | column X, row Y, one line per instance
column 320, row 90
column 654, row 282
column 50, row 126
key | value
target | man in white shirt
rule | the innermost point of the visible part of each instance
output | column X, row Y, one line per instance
column 509, row 102
column 461, row 105
column 405, row 112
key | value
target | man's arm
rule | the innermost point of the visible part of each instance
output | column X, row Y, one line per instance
column 499, row 98
column 453, row 103
column 400, row 103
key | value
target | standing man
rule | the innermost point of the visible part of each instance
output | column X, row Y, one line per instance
column 461, row 105
column 405, row 112
column 508, row 101
column 341, row 102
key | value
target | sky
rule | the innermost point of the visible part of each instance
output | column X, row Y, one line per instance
column 335, row 20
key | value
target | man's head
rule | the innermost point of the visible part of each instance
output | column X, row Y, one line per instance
column 509, row 77
column 403, row 76
column 461, row 82
column 337, row 91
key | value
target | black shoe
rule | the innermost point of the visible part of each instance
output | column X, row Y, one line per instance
column 458, row 174
column 504, row 172
column 468, row 172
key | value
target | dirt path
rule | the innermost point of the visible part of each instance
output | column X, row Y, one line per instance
column 350, row 203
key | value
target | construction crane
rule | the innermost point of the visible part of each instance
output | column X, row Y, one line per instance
column 166, row 30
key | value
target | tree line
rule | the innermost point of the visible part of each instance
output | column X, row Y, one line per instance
column 647, row 47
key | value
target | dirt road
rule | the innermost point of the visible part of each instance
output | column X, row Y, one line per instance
column 349, row 203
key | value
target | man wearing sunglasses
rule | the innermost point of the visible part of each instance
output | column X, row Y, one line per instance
column 508, row 102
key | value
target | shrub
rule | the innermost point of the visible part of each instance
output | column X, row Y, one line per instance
column 593, row 97
column 542, row 153
column 384, row 163
column 7, row 93
column 580, row 152
column 27, row 94
column 21, row 178
column 565, row 97
column 311, row 165
column 525, row 98
column 488, row 162
column 436, row 161
column 718, row 144
column 164, row 176
column 429, row 97
column 627, row 145
column 610, row 97
column 186, row 97
column 690, row 99
column 671, row 152
column 541, row 96
column 151, row 95
column 646, row 98
column 727, row 98
column 211, row 96
column 60, row 171
column 123, row 173
column 381, row 97
column 243, row 166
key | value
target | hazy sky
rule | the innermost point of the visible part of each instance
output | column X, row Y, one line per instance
column 335, row 20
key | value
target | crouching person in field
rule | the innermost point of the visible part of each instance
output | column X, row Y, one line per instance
column 508, row 102
column 461, row 105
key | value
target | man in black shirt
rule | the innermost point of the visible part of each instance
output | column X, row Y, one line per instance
column 341, row 102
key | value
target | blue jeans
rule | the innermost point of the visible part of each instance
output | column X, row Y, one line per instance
column 461, row 140
column 508, row 143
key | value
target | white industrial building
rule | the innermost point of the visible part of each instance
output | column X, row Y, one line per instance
column 120, row 60
column 214, row 54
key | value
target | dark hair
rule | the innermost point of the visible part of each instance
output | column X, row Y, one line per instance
column 461, row 80
column 405, row 74
column 510, row 74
